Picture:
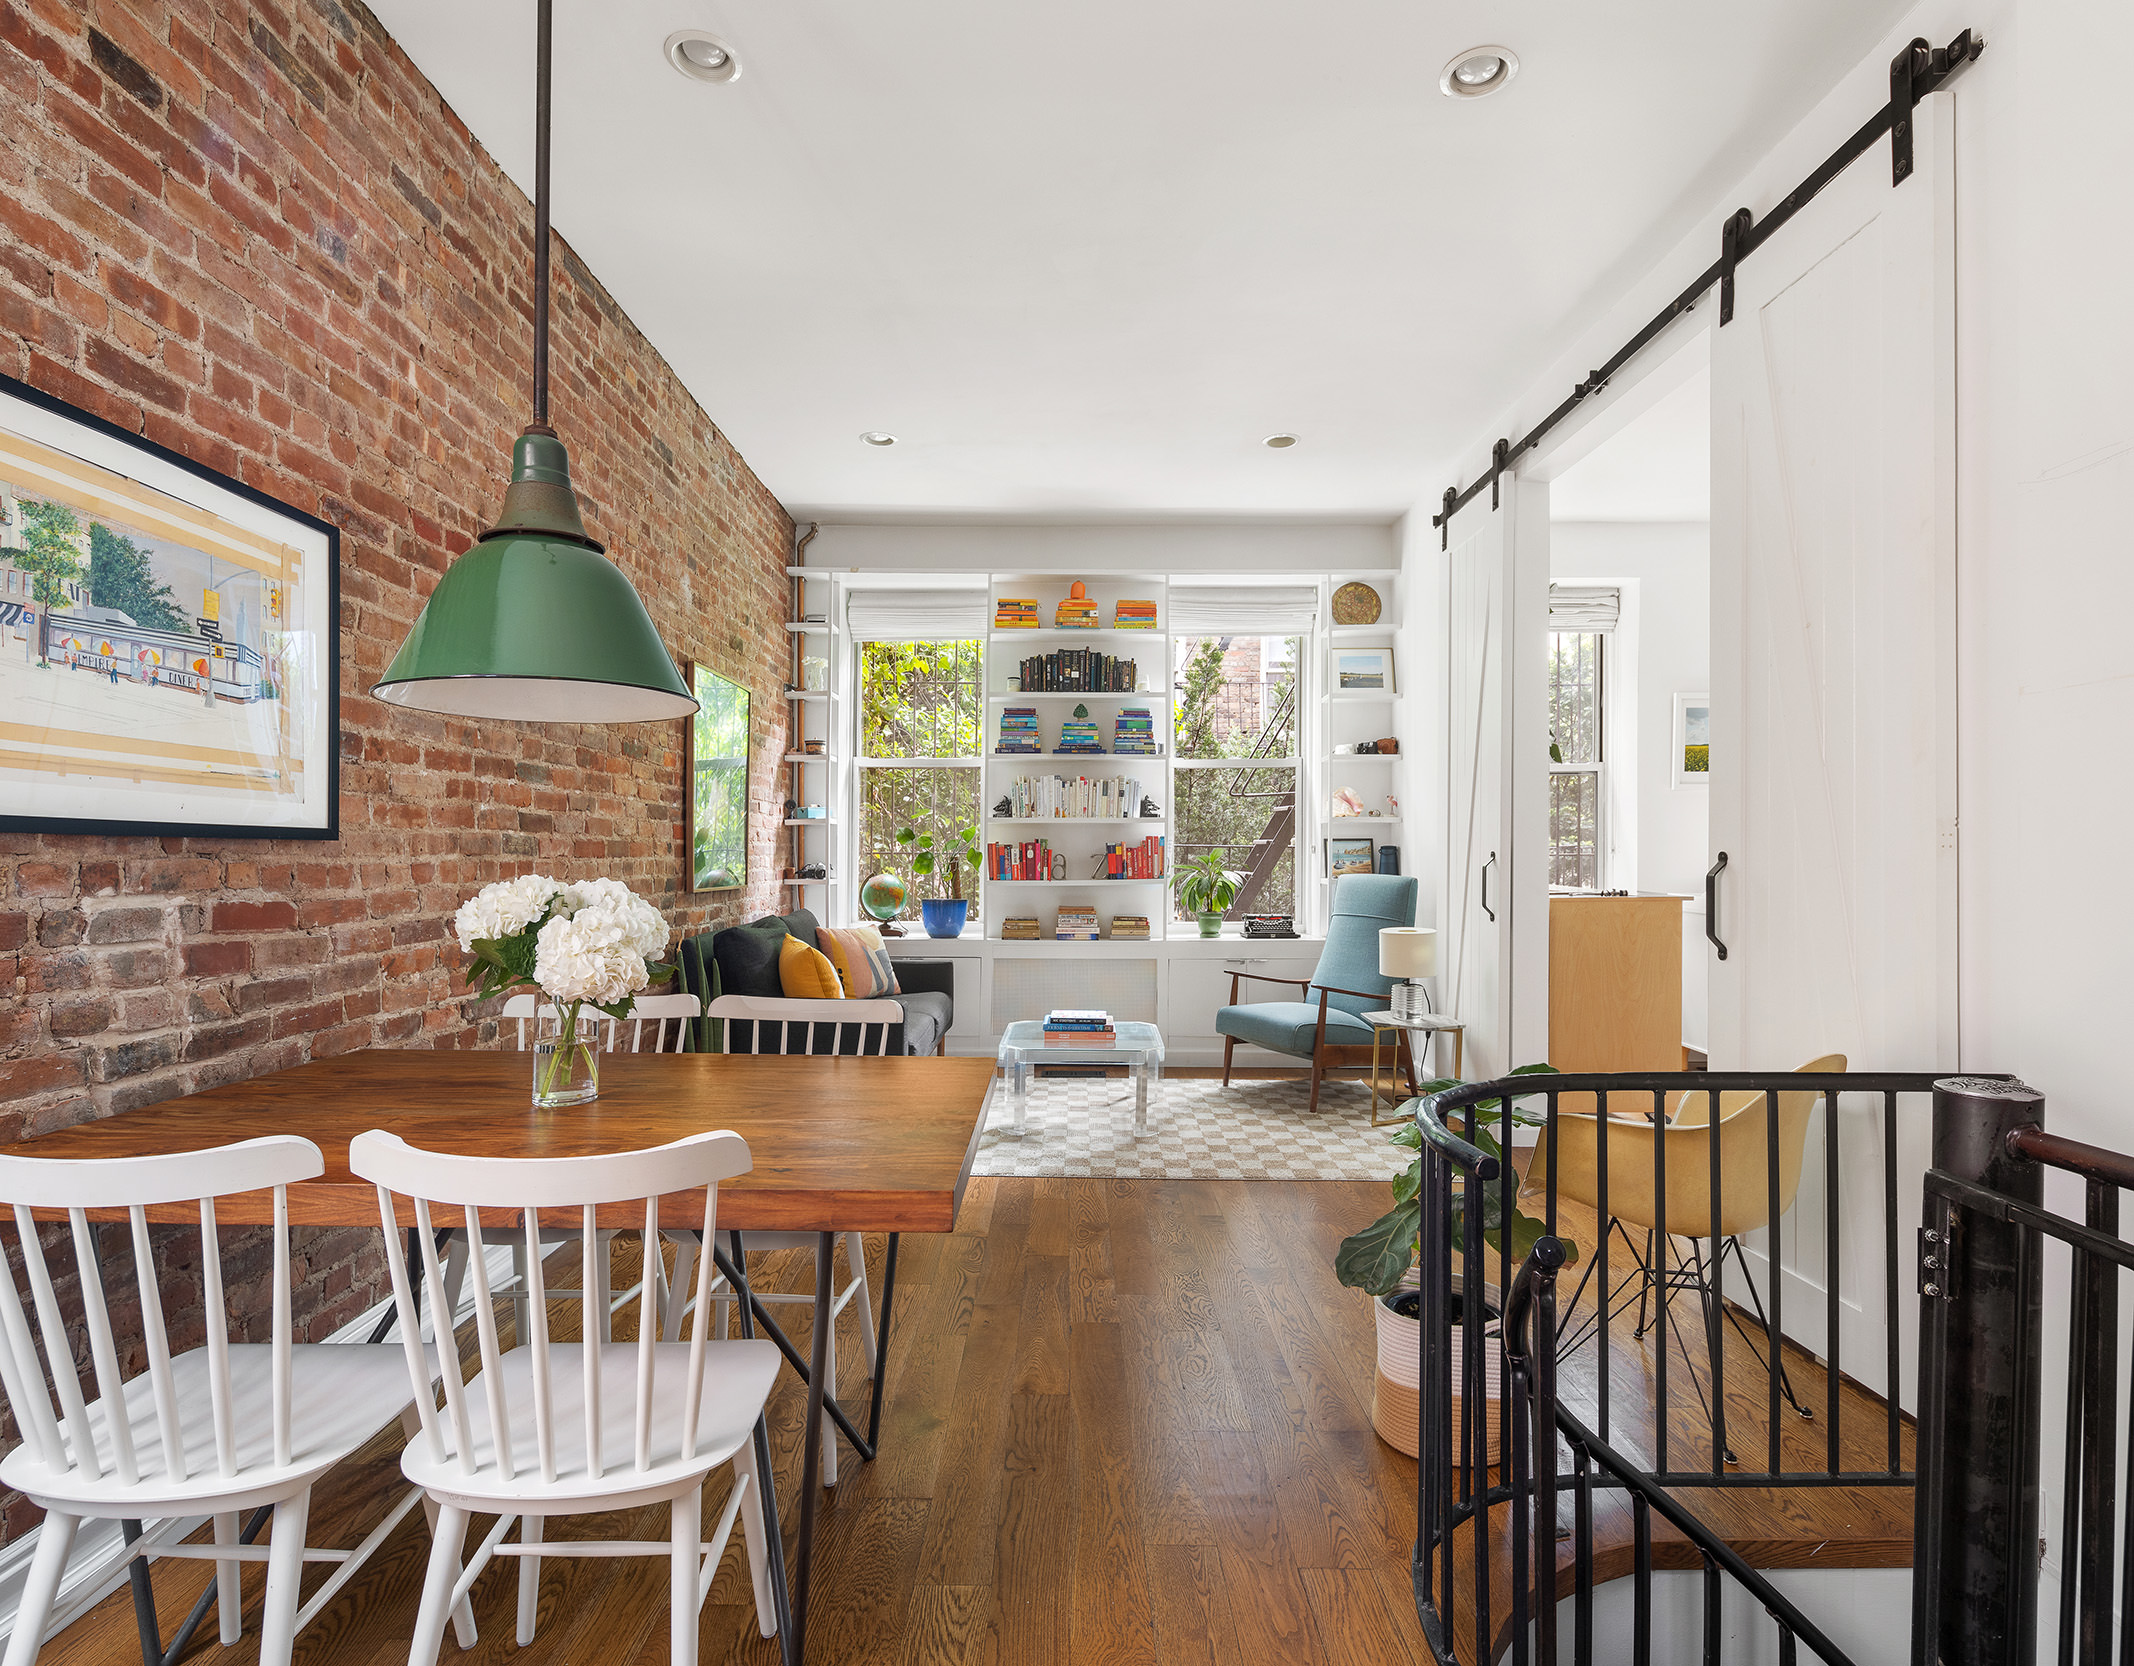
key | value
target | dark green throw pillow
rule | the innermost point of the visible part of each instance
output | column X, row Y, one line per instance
column 747, row 958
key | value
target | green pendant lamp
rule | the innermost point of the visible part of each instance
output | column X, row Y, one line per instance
column 534, row 624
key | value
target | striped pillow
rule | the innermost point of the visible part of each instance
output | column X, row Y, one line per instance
column 884, row 969
column 849, row 956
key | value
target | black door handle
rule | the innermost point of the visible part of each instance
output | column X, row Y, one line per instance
column 1486, row 866
column 1711, row 904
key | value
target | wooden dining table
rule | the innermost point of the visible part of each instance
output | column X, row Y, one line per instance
column 838, row 1145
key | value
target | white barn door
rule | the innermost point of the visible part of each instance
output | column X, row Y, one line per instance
column 1494, row 910
column 1833, row 691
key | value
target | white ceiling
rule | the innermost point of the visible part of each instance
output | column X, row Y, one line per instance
column 1081, row 259
column 1657, row 467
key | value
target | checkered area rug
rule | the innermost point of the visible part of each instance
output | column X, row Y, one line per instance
column 1255, row 1129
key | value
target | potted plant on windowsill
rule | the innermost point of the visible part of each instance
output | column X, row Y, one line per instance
column 1381, row 1260
column 1207, row 889
column 944, row 916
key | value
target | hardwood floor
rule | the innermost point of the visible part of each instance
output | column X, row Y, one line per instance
column 1127, row 1421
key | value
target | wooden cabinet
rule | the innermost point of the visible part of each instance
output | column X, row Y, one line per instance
column 1615, row 986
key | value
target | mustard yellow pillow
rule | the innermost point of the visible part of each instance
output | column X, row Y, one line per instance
column 806, row 974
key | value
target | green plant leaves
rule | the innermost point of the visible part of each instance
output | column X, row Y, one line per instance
column 1375, row 1258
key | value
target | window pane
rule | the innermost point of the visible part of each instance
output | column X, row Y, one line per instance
column 1234, row 810
column 938, row 801
column 1575, row 695
column 919, row 699
column 1236, row 696
column 1574, row 828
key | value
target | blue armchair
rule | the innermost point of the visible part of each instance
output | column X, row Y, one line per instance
column 1325, row 1026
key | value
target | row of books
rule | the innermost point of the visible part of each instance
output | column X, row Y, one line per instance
column 1135, row 861
column 1075, row 923
column 1018, row 730
column 1079, row 1027
column 1025, row 859
column 1033, row 859
column 1125, row 928
column 1069, row 797
column 1015, row 613
column 1078, row 671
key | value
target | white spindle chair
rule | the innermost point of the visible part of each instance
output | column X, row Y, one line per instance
column 661, row 1021
column 572, row 1428
column 772, row 1033
column 219, row 1429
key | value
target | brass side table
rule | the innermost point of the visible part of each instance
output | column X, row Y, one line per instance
column 1427, row 1027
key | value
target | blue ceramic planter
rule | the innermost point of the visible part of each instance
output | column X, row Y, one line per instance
column 944, row 916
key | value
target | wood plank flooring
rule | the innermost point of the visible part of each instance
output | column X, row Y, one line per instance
column 1127, row 1421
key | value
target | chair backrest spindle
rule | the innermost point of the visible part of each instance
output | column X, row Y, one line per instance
column 218, row 1343
column 284, row 1331
column 419, row 1379
column 157, row 1340
column 537, row 1309
column 588, row 1281
column 103, row 1350
column 485, row 1336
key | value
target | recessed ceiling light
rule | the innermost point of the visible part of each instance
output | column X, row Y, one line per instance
column 1478, row 72
column 1279, row 442
column 702, row 57
column 874, row 436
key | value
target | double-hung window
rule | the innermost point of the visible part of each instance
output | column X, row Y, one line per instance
column 1236, row 702
column 920, row 706
column 1581, row 622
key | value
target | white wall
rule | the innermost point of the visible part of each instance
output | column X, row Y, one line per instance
column 1664, row 568
column 1267, row 545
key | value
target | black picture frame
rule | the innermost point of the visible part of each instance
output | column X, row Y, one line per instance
column 104, row 447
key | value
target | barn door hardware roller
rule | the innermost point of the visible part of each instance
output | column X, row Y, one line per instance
column 1915, row 72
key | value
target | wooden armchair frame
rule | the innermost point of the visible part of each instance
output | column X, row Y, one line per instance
column 1325, row 1055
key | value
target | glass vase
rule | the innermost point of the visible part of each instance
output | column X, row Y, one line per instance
column 566, row 1058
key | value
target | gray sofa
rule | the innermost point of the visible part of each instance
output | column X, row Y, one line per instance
column 729, row 963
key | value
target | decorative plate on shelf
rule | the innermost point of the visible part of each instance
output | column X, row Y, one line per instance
column 1356, row 603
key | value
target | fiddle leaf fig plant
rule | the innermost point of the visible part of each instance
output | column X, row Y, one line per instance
column 1205, row 886
column 954, row 849
column 1378, row 1258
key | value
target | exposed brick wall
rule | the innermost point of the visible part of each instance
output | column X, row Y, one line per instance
column 255, row 234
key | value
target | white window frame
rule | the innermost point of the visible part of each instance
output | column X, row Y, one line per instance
column 1599, row 769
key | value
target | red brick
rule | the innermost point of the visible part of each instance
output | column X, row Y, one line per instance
column 254, row 916
column 44, row 879
column 216, row 960
column 44, row 1073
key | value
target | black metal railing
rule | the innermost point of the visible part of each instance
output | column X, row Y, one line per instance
column 1461, row 1472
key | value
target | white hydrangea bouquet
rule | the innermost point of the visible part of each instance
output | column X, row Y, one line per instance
column 590, row 944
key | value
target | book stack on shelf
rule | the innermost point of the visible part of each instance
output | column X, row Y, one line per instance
column 1076, row 923
column 1018, row 730
column 1081, row 798
column 1129, row 928
column 1077, row 671
column 1022, row 929
column 1031, row 859
column 1134, row 616
column 1133, row 733
column 1079, row 1027
column 1078, row 612
column 1015, row 613
column 1078, row 737
column 1138, row 861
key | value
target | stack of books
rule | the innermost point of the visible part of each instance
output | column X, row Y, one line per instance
column 1079, row 1027
column 1129, row 928
column 1031, row 859
column 1141, row 861
column 1015, row 613
column 1078, row 613
column 1019, row 930
column 1077, row 923
column 1133, row 733
column 1078, row 736
column 1018, row 729
column 1134, row 616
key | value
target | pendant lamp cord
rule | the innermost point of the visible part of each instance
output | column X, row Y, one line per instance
column 543, row 56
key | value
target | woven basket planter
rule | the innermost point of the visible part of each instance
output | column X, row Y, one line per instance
column 1396, row 1389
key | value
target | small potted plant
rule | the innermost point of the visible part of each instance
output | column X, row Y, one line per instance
column 1381, row 1260
column 944, row 916
column 1207, row 889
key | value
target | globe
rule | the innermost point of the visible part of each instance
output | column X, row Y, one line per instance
column 883, row 896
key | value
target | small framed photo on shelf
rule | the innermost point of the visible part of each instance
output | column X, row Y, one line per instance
column 1693, row 740
column 1351, row 856
column 1363, row 670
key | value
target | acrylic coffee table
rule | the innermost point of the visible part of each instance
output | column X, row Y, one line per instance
column 1138, row 1046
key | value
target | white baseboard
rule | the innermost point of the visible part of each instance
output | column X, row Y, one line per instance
column 98, row 1565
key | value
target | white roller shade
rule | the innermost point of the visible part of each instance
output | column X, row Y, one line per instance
column 1243, row 609
column 916, row 615
column 1584, row 607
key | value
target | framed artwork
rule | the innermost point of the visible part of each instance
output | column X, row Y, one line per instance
column 717, row 785
column 1363, row 670
column 169, row 640
column 1351, row 856
column 1693, row 740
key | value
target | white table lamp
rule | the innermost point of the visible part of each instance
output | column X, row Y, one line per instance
column 1408, row 952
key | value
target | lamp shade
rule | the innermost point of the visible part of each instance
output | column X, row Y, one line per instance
column 534, row 624
column 1407, row 952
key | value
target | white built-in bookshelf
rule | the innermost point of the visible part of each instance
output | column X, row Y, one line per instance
column 816, row 714
column 1345, row 716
